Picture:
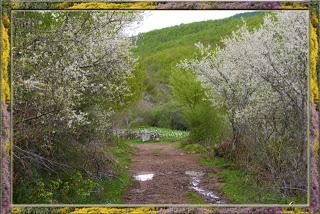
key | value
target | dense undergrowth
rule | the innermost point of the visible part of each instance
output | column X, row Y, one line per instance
column 79, row 189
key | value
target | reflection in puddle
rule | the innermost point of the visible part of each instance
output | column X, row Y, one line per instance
column 144, row 177
column 195, row 174
column 195, row 185
column 208, row 194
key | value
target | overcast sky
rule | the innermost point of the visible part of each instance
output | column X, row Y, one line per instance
column 158, row 19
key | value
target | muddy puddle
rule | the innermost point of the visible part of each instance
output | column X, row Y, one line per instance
column 195, row 185
column 144, row 176
column 210, row 196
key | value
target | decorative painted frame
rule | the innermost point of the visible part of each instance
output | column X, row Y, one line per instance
column 6, row 100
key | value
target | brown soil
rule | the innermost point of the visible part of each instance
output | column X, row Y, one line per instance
column 170, row 183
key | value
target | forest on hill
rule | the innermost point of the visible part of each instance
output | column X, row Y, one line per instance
column 158, row 53
column 95, row 109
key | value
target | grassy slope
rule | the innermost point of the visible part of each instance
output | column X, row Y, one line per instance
column 159, row 51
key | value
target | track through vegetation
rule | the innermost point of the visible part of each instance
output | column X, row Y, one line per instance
column 166, row 116
column 163, row 174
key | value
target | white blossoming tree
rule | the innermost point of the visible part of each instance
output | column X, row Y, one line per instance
column 260, row 77
column 70, row 73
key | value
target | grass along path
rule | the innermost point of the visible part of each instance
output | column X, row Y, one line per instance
column 238, row 186
column 116, row 187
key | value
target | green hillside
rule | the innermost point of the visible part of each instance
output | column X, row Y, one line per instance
column 160, row 50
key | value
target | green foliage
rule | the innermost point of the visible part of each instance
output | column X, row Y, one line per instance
column 33, row 191
column 159, row 51
column 192, row 148
column 74, row 189
column 168, row 115
column 207, row 123
column 186, row 90
column 136, row 83
column 78, row 189
column 237, row 187
column 243, row 188
column 116, row 187
column 213, row 162
column 194, row 198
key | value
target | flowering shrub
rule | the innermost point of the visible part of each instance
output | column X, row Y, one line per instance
column 260, row 77
column 5, row 63
column 71, row 75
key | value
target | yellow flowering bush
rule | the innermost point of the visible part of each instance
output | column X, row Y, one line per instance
column 15, row 210
column 293, row 5
column 142, row 210
column 294, row 211
column 314, row 90
column 5, row 61
column 109, row 5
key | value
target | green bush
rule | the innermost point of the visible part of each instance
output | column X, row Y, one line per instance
column 33, row 192
column 167, row 116
column 193, row 148
column 207, row 124
column 76, row 189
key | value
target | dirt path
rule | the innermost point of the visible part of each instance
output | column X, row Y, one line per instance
column 167, row 175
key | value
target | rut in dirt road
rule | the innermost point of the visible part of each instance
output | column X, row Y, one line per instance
column 163, row 174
